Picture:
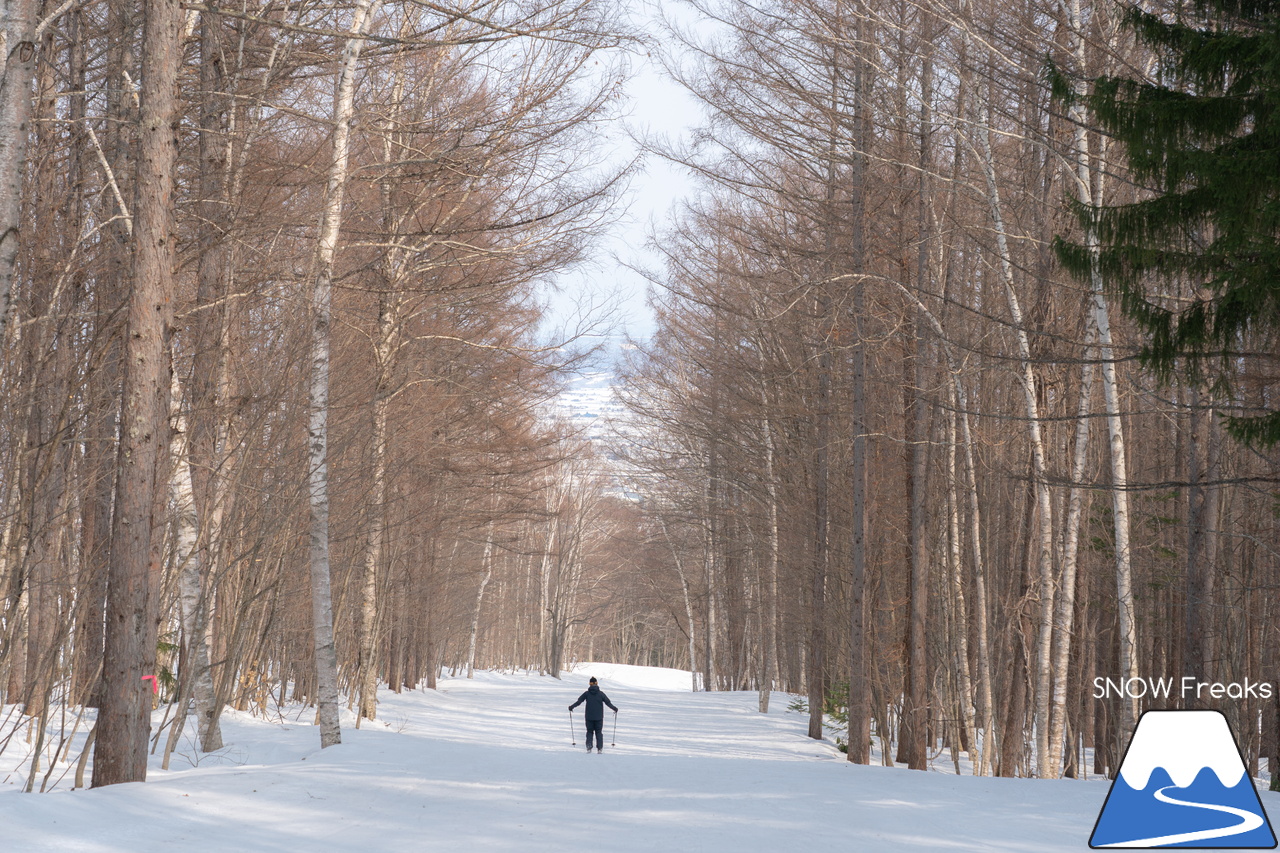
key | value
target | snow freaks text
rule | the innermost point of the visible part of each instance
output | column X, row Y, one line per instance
column 1188, row 687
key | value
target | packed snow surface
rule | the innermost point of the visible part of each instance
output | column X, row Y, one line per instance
column 487, row 764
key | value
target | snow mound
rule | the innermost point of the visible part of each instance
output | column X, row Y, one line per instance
column 634, row 677
column 1183, row 743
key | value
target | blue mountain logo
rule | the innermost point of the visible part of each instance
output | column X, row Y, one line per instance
column 1183, row 784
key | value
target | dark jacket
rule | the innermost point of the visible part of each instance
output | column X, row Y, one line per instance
column 596, row 700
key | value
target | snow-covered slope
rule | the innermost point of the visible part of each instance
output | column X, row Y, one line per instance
column 590, row 404
column 487, row 765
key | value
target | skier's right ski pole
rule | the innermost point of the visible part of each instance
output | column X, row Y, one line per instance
column 615, row 729
column 572, row 734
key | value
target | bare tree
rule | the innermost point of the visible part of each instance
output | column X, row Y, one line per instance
column 125, row 716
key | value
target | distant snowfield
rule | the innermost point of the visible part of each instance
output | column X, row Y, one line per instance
column 486, row 764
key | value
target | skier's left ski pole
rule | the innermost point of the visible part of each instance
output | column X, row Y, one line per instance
column 614, row 741
column 572, row 735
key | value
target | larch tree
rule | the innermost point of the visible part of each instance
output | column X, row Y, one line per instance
column 129, row 654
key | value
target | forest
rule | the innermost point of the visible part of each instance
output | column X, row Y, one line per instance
column 279, row 417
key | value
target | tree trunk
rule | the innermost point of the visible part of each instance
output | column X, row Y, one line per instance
column 769, row 612
column 1043, row 537
column 711, row 542
column 985, row 689
column 1065, row 607
column 1119, row 510
column 955, row 575
column 206, row 458
column 1197, row 654
column 326, row 658
column 193, row 591
column 487, row 562
column 688, row 605
column 1089, row 193
column 817, row 657
column 544, row 599
column 913, row 738
column 916, row 433
column 367, row 673
column 15, row 116
column 859, row 735
column 130, row 649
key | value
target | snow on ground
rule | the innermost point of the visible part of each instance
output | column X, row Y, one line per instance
column 486, row 764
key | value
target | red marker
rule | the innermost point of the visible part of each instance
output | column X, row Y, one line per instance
column 155, row 686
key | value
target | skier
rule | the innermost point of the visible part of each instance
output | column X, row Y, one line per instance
column 596, row 700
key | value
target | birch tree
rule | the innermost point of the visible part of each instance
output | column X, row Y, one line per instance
column 318, row 430
column 1089, row 186
column 193, row 591
column 19, row 53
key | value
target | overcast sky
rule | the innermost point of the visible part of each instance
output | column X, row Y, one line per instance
column 656, row 106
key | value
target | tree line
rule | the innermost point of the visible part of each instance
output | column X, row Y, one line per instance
column 908, row 462
column 279, row 422
column 276, row 394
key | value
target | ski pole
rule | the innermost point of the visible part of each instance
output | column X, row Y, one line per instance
column 614, row 739
column 572, row 734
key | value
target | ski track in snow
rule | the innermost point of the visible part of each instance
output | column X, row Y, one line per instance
column 486, row 764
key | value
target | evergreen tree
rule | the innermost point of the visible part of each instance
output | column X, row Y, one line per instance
column 1196, row 263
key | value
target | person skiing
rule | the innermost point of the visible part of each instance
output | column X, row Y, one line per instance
column 596, row 700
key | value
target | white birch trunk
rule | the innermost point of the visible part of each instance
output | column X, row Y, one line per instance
column 487, row 562
column 1064, row 615
column 1119, row 506
column 769, row 663
column 956, row 569
column 1044, row 534
column 318, row 431
column 191, row 586
column 367, row 674
column 19, row 53
column 985, row 692
column 544, row 600
column 1089, row 195
column 710, row 543
column 209, row 551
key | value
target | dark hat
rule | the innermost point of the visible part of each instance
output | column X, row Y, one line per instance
column 593, row 680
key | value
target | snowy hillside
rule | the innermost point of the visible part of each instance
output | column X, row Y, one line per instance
column 589, row 403
column 487, row 765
